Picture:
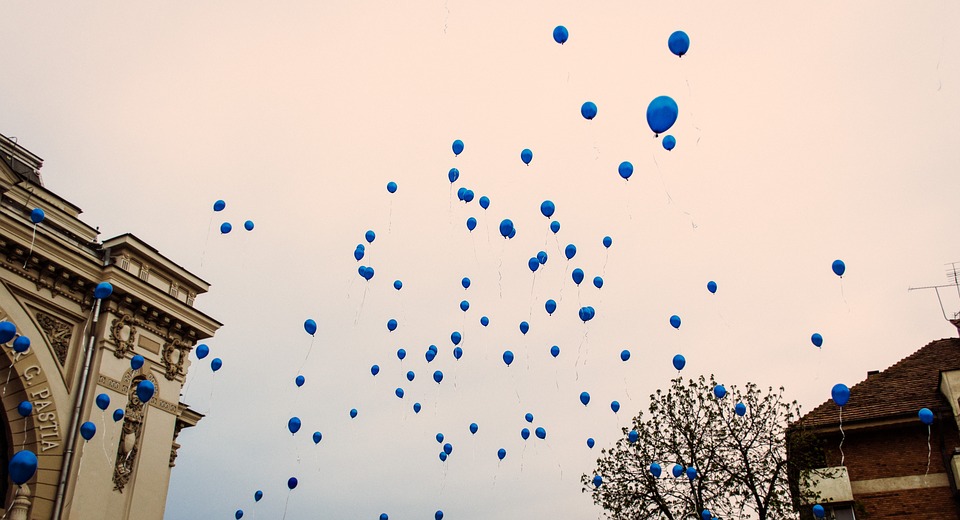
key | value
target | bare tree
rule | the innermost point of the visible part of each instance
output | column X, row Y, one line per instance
column 696, row 451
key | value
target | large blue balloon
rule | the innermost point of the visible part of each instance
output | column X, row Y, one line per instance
column 540, row 432
column 555, row 227
column 506, row 227
column 117, row 414
column 293, row 424
column 577, row 275
column 448, row 448
column 675, row 321
column 21, row 344
column 550, row 306
column 585, row 398
column 464, row 305
column 215, row 365
column 554, row 351
column 455, row 338
column 292, row 483
column 310, row 326
column 526, row 155
column 457, row 147
column 839, row 268
column 679, row 362
column 587, row 313
column 560, row 34
column 468, row 195
column 507, row 357
column 102, row 290
column 816, row 339
column 819, row 511
column 607, row 242
column 370, row 236
column 399, row 392
column 712, row 287
column 225, row 228
column 145, row 390
column 625, row 169
column 7, row 331
column 615, row 406
column 525, row 433
column 88, row 430
column 239, row 514
column 136, row 362
column 453, row 175
column 677, row 470
column 202, row 351
column 926, row 416
column 678, row 42
column 37, row 215
column 25, row 408
column 457, row 352
column 662, row 114
column 570, row 251
column 391, row 324
column 840, row 394
column 484, row 202
column 719, row 391
column 588, row 110
column 547, row 208
column 471, row 224
column 22, row 466
column 392, row 187
column 401, row 353
column 542, row 257
column 438, row 515
column 103, row 401
column 438, row 376
column 219, row 205
column 533, row 264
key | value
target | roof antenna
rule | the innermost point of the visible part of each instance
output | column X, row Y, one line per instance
column 953, row 275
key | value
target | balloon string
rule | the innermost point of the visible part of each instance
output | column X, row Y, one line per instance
column 31, row 246
column 606, row 257
column 928, row 452
column 285, row 504
column 844, row 298
column 390, row 217
column 576, row 364
column 669, row 197
column 843, row 436
column 309, row 350
column 565, row 269
column 103, row 438
column 362, row 300
column 203, row 252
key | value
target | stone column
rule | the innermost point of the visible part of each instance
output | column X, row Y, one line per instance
column 21, row 503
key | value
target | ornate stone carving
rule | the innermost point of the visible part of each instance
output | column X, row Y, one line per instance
column 175, row 352
column 129, row 444
column 124, row 334
column 58, row 334
column 175, row 446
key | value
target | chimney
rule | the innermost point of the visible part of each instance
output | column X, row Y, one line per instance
column 871, row 373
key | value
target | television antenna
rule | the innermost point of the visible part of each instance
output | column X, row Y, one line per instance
column 953, row 275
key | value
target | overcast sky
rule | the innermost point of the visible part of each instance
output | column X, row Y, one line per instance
column 806, row 133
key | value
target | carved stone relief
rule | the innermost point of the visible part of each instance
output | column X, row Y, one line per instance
column 129, row 444
column 175, row 352
column 124, row 334
column 58, row 334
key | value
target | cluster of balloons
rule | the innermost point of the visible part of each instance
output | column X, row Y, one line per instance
column 227, row 227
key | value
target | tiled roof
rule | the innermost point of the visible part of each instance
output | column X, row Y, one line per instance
column 899, row 391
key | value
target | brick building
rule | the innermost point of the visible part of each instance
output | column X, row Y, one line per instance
column 882, row 468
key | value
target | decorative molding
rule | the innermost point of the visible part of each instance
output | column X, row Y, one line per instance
column 174, row 353
column 123, row 387
column 129, row 443
column 175, row 446
column 124, row 326
column 58, row 334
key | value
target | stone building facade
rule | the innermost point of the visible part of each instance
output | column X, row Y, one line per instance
column 79, row 349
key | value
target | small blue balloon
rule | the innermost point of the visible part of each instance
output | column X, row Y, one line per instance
column 675, row 321
column 453, row 175
column 88, row 430
column 554, row 351
column 597, row 480
column 7, row 331
column 358, row 253
column 706, row 515
column 225, row 228
column 524, row 327
column 840, row 394
column 819, row 511
column 597, row 282
column 136, row 362
column 712, row 287
column 392, row 187
column 438, row 515
column 507, row 357
column 719, row 391
column 145, row 390
column 471, row 224
column 550, row 306
column 465, row 282
column 430, row 355
column 633, row 436
column 21, row 344
column 397, row 284
column 248, row 225
column 816, row 339
column 624, row 355
column 370, row 236
column 468, row 196
column 547, row 208
column 587, row 313
column 103, row 402
column 585, row 398
column 416, row 407
column 37, row 215
column 525, row 433
column 591, row 443
column 526, row 155
column 740, row 409
column 677, row 470
column 399, row 392
column 448, row 448
column 257, row 496
column 239, row 514
column 464, row 305
column 533, row 264
column 528, row 417
column 25, row 408
column 484, row 202
column 506, row 228
column 662, row 114
column 588, row 110
column 691, row 473
column 219, row 205
column 391, row 324
column 439, row 438
column 607, row 242
column 457, row 352
column 401, row 353
column 202, row 351
column 560, row 34
column 669, row 142
column 615, row 406
column 293, row 425
column 455, row 338
column 117, row 414
column 679, row 362
column 555, row 227
column 457, row 147
column 375, row 369
column 102, row 290
column 678, row 43
column 292, row 483
column 353, row 413
column 570, row 251
column 215, row 365
column 443, row 457
column 542, row 257
column 577, row 275
column 300, row 380
column 438, row 376
column 501, row 453
column 366, row 272
column 310, row 326
column 625, row 169
column 411, row 375
column 655, row 470
column 540, row 432
column 926, row 416
column 484, row 321
column 839, row 268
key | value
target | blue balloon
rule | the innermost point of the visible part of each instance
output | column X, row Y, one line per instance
column 292, row 483
column 468, row 195
column 484, row 321
column 465, row 282
column 401, row 353
column 926, row 416
column 669, row 142
column 719, row 391
column 547, row 208
column 248, row 225
column 587, row 313
column 542, row 257
column 410, row 375
column 216, row 364
column 554, row 351
column 136, row 362
column 102, row 290
column 585, row 398
column 577, row 275
column 816, row 339
column 526, row 155
column 399, row 392
column 37, row 215
column 550, row 306
column 570, row 251
column 358, row 253
column 416, row 407
column 615, row 406
column 455, row 338
column 679, row 362
column 392, row 187
column 818, row 511
column 103, row 402
column 506, row 227
column 430, row 355
column 370, row 236
column 366, row 272
column 145, row 390
column 21, row 344
column 591, row 443
column 375, row 369
column 501, row 453
column 438, row 515
column 471, row 224
column 448, row 448
column 633, row 436
column 391, row 324
column 453, row 175
column 597, row 282
column 457, row 147
column 22, row 466
column 588, row 110
column 655, row 470
column 678, row 43
column 225, row 228
column 740, row 409
column 524, row 327
column 839, row 268
column 439, row 438
column 202, row 351
column 555, row 227
column 461, row 193
column 353, row 413
column 473, row 428
column 625, row 169
column 597, row 480
column 117, row 414
column 525, row 433
column 507, row 357
column 88, row 430
column 540, row 432
column 397, row 284
column 25, row 408
column 533, row 264
column 438, row 376
column 464, row 305
column 293, row 424
column 484, row 202
column 443, row 456
column 712, row 287
column 257, row 496
column 607, row 242
column 219, row 205
column 840, row 394
column 560, row 34
column 528, row 417
column 457, row 352
column 662, row 114
column 677, row 470
column 675, row 321
column 310, row 326
column 624, row 355
column 7, row 331
column 691, row 473
column 239, row 514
